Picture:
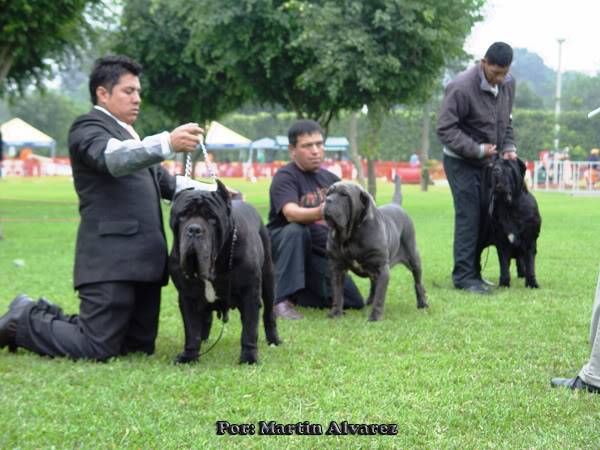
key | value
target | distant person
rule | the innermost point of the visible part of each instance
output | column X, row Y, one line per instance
column 297, row 229
column 414, row 160
column 588, row 378
column 475, row 125
column 121, row 250
column 590, row 175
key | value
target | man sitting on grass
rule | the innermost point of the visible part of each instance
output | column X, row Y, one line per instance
column 298, row 232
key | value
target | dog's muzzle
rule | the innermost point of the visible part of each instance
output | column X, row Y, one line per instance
column 196, row 259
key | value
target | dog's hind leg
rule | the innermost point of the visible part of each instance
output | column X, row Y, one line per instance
column 381, row 285
column 530, row 279
column 504, row 261
column 414, row 264
column 268, row 294
column 250, row 312
column 193, row 323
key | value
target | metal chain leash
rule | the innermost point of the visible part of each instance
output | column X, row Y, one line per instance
column 209, row 165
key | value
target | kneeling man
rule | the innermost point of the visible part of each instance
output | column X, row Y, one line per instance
column 297, row 229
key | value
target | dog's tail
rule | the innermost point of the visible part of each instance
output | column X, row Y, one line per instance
column 268, row 290
column 397, row 198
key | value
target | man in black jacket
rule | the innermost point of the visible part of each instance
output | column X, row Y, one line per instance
column 121, row 251
column 474, row 125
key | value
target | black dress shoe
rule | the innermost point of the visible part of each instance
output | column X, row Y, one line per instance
column 575, row 384
column 8, row 322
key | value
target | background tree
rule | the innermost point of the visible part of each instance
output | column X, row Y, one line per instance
column 381, row 53
column 37, row 31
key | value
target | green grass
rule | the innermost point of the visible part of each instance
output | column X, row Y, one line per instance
column 470, row 372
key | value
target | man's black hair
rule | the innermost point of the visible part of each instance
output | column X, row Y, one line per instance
column 499, row 54
column 303, row 127
column 107, row 71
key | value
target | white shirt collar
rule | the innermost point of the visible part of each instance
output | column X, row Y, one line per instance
column 107, row 112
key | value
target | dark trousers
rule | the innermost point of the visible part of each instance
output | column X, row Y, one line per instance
column 465, row 181
column 302, row 271
column 115, row 318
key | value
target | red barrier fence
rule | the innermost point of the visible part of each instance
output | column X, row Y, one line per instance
column 38, row 166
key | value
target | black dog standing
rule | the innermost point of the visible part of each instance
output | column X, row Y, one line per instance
column 221, row 259
column 514, row 220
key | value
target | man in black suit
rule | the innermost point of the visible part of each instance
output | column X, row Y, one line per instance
column 121, row 251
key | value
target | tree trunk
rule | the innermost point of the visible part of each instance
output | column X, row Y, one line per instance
column 424, row 153
column 6, row 62
column 372, row 188
column 353, row 133
column 375, row 123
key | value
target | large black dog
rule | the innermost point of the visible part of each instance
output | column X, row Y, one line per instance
column 513, row 221
column 369, row 241
column 221, row 259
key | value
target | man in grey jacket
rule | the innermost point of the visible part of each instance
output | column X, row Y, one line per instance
column 121, row 251
column 475, row 125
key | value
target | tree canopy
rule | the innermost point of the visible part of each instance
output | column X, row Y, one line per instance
column 34, row 31
column 315, row 57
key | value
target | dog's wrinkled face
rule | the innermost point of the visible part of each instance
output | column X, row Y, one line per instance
column 507, row 179
column 346, row 206
column 201, row 223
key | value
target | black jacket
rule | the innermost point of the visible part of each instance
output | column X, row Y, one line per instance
column 121, row 235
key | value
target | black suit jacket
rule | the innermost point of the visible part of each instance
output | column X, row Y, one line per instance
column 121, row 235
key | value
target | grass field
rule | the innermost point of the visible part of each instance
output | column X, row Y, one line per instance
column 470, row 372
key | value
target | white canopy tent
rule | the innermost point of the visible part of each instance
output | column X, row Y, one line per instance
column 18, row 133
column 219, row 137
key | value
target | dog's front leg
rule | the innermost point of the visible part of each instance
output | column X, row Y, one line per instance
column 381, row 284
column 250, row 312
column 193, row 323
column 504, row 252
column 337, row 292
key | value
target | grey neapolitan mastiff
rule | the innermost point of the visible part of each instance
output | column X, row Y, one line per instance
column 369, row 241
column 221, row 259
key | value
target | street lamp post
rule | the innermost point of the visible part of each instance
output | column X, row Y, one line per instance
column 557, row 104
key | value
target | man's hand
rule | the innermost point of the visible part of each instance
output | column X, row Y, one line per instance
column 509, row 154
column 489, row 150
column 186, row 137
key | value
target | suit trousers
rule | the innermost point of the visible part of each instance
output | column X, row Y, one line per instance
column 469, row 208
column 302, row 271
column 115, row 318
column 590, row 373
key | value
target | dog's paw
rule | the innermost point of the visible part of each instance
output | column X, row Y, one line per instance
column 186, row 358
column 249, row 357
column 335, row 313
column 504, row 282
column 375, row 316
column 533, row 284
column 273, row 339
column 422, row 304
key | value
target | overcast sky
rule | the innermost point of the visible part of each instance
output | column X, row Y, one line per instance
column 537, row 24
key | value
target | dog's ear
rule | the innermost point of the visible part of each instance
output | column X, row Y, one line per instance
column 522, row 167
column 224, row 194
column 365, row 200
